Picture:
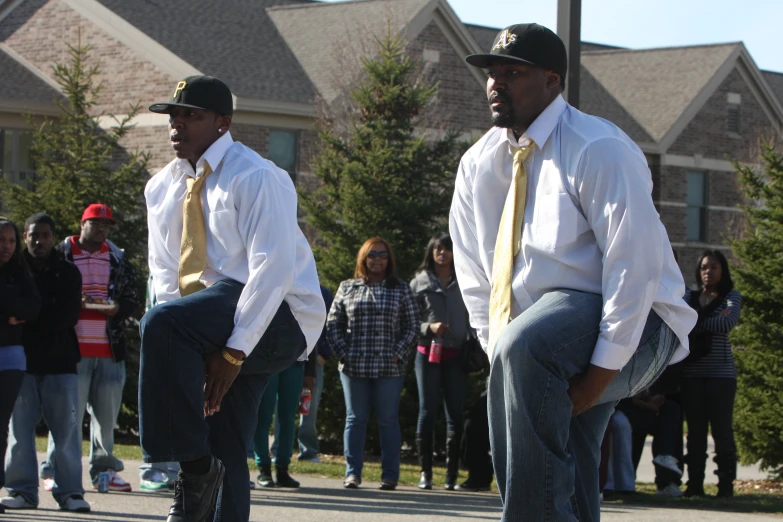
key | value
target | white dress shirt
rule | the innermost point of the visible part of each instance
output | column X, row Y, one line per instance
column 252, row 237
column 589, row 225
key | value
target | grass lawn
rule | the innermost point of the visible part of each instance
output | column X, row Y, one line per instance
column 762, row 501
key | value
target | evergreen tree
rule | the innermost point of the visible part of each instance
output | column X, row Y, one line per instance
column 379, row 178
column 758, row 273
column 78, row 163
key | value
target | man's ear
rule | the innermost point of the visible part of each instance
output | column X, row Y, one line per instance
column 553, row 80
column 224, row 123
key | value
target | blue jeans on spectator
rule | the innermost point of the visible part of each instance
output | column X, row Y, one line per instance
column 100, row 381
column 546, row 461
column 10, row 383
column 175, row 338
column 281, row 400
column 56, row 396
column 382, row 395
column 622, row 472
column 309, row 446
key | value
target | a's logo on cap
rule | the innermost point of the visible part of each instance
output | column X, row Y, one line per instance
column 104, row 213
column 181, row 86
column 505, row 40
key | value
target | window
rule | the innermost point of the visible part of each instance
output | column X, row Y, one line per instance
column 696, row 218
column 733, row 115
column 282, row 150
column 16, row 161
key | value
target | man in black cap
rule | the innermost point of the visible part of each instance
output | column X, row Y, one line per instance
column 567, row 273
column 238, row 301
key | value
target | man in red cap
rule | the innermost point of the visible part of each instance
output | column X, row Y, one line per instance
column 108, row 299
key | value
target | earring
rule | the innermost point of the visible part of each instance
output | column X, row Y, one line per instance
column 220, row 131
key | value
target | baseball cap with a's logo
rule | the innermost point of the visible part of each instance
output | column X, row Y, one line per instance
column 525, row 43
column 98, row 211
column 199, row 92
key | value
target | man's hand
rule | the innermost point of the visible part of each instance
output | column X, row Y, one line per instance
column 111, row 312
column 13, row 321
column 309, row 382
column 584, row 390
column 220, row 375
column 439, row 329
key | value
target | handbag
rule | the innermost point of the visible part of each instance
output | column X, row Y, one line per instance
column 474, row 358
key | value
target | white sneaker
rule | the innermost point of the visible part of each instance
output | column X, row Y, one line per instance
column 668, row 462
column 116, row 482
column 670, row 491
column 48, row 484
column 16, row 501
column 75, row 503
column 159, row 481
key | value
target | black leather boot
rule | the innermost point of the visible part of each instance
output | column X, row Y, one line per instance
column 284, row 480
column 726, row 472
column 452, row 460
column 696, row 466
column 424, row 449
column 265, row 479
column 196, row 497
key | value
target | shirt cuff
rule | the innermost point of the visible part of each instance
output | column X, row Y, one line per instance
column 611, row 356
column 244, row 340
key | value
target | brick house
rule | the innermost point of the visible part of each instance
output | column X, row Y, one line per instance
column 690, row 109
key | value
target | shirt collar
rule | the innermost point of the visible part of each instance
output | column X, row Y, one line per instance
column 540, row 130
column 212, row 157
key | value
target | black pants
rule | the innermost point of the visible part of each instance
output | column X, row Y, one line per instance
column 175, row 338
column 10, row 384
column 666, row 429
column 709, row 403
column 475, row 442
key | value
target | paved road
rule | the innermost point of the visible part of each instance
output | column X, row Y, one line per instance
column 324, row 500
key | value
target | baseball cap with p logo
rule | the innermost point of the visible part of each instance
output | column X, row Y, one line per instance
column 199, row 92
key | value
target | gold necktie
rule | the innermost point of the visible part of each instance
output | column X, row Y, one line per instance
column 193, row 247
column 507, row 245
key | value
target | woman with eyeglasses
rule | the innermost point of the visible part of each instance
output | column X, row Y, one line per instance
column 444, row 329
column 371, row 327
column 19, row 303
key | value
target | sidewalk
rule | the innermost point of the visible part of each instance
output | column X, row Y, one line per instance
column 325, row 500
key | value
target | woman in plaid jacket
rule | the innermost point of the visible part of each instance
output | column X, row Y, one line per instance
column 372, row 327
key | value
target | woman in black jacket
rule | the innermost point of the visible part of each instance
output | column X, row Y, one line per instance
column 444, row 329
column 19, row 302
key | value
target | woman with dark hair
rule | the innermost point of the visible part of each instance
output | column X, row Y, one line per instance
column 19, row 302
column 709, row 381
column 371, row 327
column 444, row 329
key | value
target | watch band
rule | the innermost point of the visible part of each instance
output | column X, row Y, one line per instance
column 233, row 360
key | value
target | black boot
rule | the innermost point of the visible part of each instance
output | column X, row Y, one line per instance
column 196, row 496
column 726, row 472
column 696, row 466
column 452, row 460
column 265, row 479
column 424, row 449
column 284, row 480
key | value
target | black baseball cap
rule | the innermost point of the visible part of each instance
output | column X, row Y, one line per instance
column 199, row 92
column 526, row 43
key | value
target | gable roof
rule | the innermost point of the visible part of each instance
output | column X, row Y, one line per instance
column 18, row 83
column 328, row 39
column 234, row 40
column 656, row 86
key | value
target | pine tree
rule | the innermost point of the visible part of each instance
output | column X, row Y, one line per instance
column 379, row 178
column 78, row 163
column 758, row 273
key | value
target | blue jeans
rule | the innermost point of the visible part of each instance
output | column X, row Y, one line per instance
column 175, row 338
column 100, row 381
column 281, row 400
column 621, row 471
column 546, row 461
column 383, row 395
column 309, row 446
column 56, row 396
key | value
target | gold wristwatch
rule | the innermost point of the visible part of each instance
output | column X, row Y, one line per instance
column 230, row 358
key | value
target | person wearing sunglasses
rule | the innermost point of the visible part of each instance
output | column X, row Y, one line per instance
column 371, row 327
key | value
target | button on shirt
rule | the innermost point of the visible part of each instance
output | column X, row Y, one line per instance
column 252, row 237
column 589, row 225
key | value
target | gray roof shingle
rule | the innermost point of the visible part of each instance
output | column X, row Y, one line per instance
column 775, row 81
column 233, row 40
column 655, row 86
column 18, row 83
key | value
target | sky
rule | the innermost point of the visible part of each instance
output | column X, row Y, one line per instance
column 640, row 24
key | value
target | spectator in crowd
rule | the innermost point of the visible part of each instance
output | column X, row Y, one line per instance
column 621, row 475
column 19, row 302
column 475, row 448
column 281, row 400
column 371, row 327
column 308, row 431
column 50, row 386
column 109, row 297
column 444, row 325
column 156, row 476
column 709, row 381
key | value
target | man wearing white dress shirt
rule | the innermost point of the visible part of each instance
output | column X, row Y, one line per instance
column 567, row 273
column 238, row 301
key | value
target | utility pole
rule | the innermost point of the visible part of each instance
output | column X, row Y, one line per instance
column 569, row 29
